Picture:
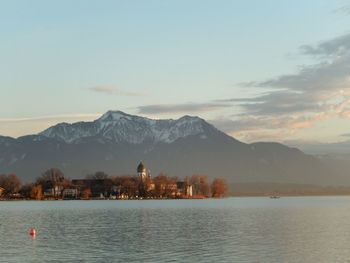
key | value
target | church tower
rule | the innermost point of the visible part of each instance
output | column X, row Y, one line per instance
column 142, row 171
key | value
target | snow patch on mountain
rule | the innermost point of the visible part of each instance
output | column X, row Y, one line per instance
column 116, row 126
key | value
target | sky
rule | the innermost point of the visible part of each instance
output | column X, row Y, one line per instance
column 258, row 70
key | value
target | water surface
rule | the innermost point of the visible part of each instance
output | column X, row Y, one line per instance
column 293, row 229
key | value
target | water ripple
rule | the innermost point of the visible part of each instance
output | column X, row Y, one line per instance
column 229, row 230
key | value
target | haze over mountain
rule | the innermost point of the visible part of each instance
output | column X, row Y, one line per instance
column 117, row 141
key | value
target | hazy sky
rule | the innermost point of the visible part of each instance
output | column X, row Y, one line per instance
column 259, row 70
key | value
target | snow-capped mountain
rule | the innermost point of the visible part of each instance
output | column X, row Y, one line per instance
column 117, row 127
column 116, row 142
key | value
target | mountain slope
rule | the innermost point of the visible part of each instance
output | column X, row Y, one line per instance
column 116, row 127
column 116, row 142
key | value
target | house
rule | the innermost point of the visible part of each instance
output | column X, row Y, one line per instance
column 100, row 188
column 70, row 193
column 184, row 189
column 168, row 188
column 52, row 190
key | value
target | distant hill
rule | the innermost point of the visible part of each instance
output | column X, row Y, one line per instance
column 285, row 189
column 117, row 141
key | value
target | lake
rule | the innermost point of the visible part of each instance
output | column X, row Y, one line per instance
column 289, row 229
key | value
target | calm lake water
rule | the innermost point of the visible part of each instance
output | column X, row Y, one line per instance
column 293, row 229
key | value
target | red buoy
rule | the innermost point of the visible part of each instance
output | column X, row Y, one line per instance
column 32, row 232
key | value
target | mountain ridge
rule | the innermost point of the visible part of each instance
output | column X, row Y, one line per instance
column 117, row 126
column 116, row 141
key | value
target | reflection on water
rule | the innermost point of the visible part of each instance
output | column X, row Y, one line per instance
column 296, row 229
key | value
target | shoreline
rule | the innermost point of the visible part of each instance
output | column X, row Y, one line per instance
column 167, row 199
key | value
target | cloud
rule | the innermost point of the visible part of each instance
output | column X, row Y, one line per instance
column 181, row 108
column 336, row 47
column 291, row 102
column 297, row 101
column 345, row 135
column 53, row 118
column 255, row 123
column 16, row 127
column 276, row 103
column 344, row 10
column 115, row 91
column 253, row 128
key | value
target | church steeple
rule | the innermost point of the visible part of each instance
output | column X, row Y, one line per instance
column 142, row 171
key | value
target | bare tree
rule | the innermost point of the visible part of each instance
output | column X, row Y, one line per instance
column 26, row 189
column 165, row 186
column 131, row 186
column 37, row 192
column 11, row 183
column 86, row 194
column 98, row 175
column 52, row 178
column 219, row 188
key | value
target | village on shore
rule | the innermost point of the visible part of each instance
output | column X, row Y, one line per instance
column 53, row 185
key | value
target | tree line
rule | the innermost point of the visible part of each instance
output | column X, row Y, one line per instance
column 100, row 183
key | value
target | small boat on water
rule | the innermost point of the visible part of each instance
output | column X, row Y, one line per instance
column 274, row 197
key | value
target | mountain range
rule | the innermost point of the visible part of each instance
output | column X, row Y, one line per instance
column 116, row 142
